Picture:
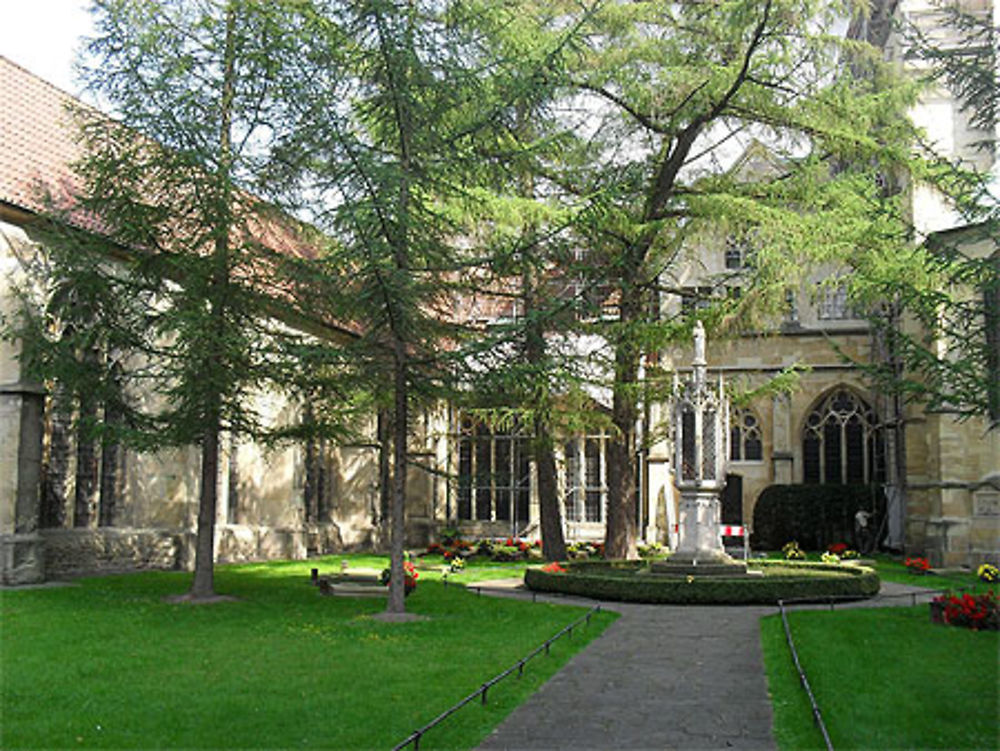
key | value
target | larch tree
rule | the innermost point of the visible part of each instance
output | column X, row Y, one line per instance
column 675, row 90
column 379, row 153
column 176, row 266
column 523, row 371
column 949, row 284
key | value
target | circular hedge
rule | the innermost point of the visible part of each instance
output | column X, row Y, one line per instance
column 629, row 581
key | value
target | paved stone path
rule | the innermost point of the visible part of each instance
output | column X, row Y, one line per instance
column 660, row 677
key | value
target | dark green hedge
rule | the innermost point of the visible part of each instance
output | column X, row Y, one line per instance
column 814, row 515
column 615, row 583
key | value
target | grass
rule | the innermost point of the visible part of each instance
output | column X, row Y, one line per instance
column 886, row 678
column 108, row 664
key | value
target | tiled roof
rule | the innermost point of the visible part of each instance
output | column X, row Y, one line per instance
column 37, row 144
column 38, row 148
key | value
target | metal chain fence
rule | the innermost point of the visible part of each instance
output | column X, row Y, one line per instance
column 413, row 739
column 832, row 602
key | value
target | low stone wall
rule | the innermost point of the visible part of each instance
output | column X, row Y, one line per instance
column 22, row 560
column 76, row 552
column 240, row 543
column 72, row 552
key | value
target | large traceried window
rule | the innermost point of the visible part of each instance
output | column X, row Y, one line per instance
column 745, row 443
column 494, row 478
column 841, row 441
column 586, row 488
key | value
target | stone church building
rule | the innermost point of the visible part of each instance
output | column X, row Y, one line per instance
column 940, row 476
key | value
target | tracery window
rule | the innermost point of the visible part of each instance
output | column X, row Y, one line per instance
column 833, row 303
column 494, row 478
column 586, row 487
column 842, row 442
column 745, row 442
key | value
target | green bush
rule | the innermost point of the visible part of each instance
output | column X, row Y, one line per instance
column 782, row 580
column 815, row 515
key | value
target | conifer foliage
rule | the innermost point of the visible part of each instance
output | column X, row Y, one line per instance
column 178, row 318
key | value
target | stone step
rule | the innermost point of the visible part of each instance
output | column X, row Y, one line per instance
column 351, row 589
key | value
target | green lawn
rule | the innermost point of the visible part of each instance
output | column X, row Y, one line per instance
column 886, row 678
column 108, row 664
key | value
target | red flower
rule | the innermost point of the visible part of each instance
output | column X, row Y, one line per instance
column 837, row 548
column 553, row 568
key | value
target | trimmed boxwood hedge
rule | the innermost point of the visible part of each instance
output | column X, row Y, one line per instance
column 622, row 581
column 814, row 515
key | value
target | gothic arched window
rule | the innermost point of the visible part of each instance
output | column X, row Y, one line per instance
column 745, row 442
column 841, row 441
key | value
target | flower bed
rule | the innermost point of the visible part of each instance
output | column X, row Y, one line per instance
column 917, row 565
column 630, row 581
column 503, row 550
column 988, row 573
column 976, row 612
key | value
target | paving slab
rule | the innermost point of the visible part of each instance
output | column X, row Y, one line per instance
column 660, row 677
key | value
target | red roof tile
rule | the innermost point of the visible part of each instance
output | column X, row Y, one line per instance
column 38, row 147
column 37, row 143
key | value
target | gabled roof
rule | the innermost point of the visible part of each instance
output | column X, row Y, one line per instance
column 39, row 146
column 37, row 143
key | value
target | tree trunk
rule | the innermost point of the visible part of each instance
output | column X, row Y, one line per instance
column 203, row 586
column 384, row 471
column 553, row 541
column 397, row 591
column 620, row 534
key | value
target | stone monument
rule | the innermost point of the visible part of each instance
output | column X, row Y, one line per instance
column 700, row 417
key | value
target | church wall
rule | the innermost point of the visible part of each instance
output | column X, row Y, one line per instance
column 155, row 515
column 21, row 549
column 954, row 510
column 750, row 362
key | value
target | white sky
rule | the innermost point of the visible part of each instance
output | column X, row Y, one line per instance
column 44, row 36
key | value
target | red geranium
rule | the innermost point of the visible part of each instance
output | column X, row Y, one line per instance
column 917, row 565
column 553, row 568
column 971, row 611
column 837, row 548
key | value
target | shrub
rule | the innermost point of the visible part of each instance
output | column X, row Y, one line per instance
column 815, row 515
column 615, row 580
